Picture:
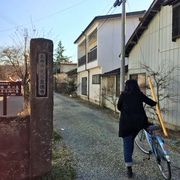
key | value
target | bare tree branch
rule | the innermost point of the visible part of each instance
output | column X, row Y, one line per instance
column 163, row 80
column 110, row 96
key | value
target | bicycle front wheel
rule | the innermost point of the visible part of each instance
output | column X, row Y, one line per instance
column 165, row 169
column 163, row 163
column 142, row 142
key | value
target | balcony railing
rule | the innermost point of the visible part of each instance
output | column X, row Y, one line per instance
column 92, row 55
column 82, row 60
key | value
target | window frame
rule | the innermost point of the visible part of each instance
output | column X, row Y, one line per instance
column 96, row 79
column 176, row 21
column 84, row 86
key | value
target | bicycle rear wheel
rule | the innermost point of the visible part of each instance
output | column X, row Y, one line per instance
column 142, row 142
column 163, row 163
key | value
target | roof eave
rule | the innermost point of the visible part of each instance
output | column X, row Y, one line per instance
column 115, row 72
column 170, row 2
column 143, row 25
column 135, row 13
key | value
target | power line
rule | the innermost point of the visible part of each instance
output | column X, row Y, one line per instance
column 7, row 19
column 53, row 14
column 116, row 3
column 8, row 29
column 60, row 11
column 106, row 19
column 45, row 17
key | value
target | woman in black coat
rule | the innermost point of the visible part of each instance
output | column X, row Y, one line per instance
column 132, row 119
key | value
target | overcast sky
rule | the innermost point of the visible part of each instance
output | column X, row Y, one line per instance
column 55, row 19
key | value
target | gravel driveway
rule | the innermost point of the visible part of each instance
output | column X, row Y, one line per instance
column 92, row 135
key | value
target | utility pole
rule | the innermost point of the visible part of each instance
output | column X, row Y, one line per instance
column 122, row 57
column 122, row 74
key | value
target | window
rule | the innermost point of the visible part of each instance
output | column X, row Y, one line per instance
column 84, row 86
column 110, row 86
column 141, row 79
column 92, row 38
column 176, row 22
column 92, row 55
column 96, row 79
column 82, row 61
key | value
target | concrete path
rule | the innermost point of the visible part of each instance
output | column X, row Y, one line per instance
column 92, row 135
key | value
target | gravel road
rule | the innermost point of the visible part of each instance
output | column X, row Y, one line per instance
column 92, row 135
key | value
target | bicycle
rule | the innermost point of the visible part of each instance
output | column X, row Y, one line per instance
column 149, row 142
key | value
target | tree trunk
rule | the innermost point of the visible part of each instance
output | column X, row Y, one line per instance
column 26, row 106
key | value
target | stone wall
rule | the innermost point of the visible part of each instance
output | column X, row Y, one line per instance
column 14, row 148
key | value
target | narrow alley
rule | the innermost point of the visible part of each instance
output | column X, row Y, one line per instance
column 92, row 135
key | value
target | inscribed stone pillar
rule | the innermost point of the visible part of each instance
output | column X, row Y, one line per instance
column 41, row 106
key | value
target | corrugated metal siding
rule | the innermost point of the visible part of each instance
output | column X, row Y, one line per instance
column 156, row 49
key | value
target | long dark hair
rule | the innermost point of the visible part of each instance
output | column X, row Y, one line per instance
column 131, row 87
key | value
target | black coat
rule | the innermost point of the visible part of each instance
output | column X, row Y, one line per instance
column 133, row 117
